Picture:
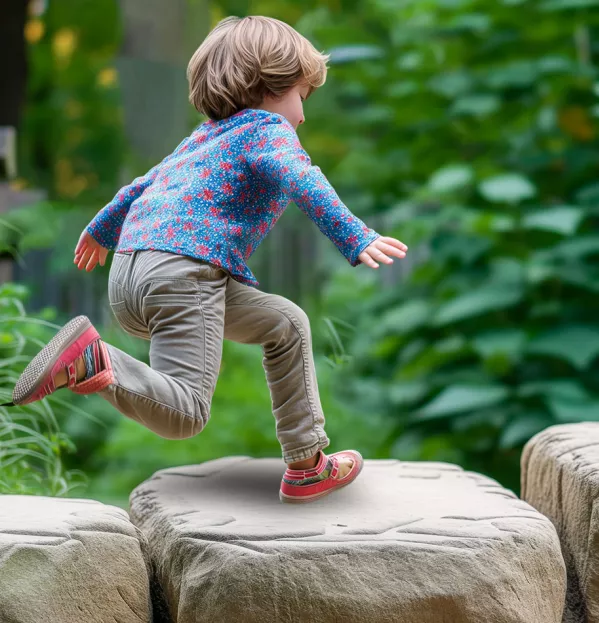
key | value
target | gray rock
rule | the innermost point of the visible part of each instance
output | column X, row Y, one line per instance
column 70, row 561
column 406, row 542
column 560, row 478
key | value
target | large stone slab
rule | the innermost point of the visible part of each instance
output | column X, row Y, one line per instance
column 70, row 561
column 407, row 542
column 560, row 477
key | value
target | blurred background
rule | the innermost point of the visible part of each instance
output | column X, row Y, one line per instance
column 467, row 129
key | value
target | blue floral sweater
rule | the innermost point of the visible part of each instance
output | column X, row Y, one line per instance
column 222, row 190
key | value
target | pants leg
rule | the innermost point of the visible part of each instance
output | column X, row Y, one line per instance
column 283, row 330
column 178, row 303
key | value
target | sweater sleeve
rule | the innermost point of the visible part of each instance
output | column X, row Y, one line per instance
column 278, row 156
column 106, row 226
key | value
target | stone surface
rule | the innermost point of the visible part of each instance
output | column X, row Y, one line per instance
column 407, row 542
column 560, row 477
column 70, row 561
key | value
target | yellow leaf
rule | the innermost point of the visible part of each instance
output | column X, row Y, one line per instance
column 64, row 43
column 576, row 122
column 107, row 77
column 34, row 30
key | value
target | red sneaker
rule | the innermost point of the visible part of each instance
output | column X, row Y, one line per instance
column 320, row 480
column 37, row 380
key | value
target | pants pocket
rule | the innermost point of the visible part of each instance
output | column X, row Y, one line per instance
column 118, row 299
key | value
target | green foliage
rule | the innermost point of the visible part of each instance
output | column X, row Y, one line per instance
column 487, row 130
column 71, row 140
column 32, row 444
column 469, row 134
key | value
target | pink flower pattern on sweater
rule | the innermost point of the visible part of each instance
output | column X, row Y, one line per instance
column 222, row 190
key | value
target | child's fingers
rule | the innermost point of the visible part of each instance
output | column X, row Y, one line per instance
column 81, row 246
column 84, row 259
column 387, row 248
column 366, row 259
column 79, row 251
column 93, row 260
column 377, row 255
column 394, row 242
column 78, row 261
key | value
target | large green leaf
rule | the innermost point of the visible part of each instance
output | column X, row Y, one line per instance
column 451, row 178
column 562, row 5
column 540, row 269
column 467, row 248
column 516, row 74
column 588, row 194
column 472, row 374
column 485, row 419
column 477, row 22
column 555, row 64
column 522, row 428
column 477, row 302
column 407, row 317
column 487, row 221
column 432, row 357
column 576, row 344
column 480, row 105
column 353, row 53
column 575, row 275
column 413, row 349
column 506, row 271
column 451, row 84
column 507, row 188
column 567, row 411
column 569, row 389
column 559, row 219
column 405, row 393
column 578, row 247
column 509, row 342
column 462, row 398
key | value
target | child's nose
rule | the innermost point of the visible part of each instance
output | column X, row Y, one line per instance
column 301, row 120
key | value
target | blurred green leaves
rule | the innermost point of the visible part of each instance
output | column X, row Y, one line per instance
column 458, row 128
column 491, row 333
column 32, row 444
column 508, row 188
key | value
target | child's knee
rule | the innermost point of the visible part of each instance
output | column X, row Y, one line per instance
column 295, row 318
column 188, row 424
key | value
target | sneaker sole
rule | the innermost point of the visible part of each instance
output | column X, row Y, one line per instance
column 291, row 499
column 41, row 365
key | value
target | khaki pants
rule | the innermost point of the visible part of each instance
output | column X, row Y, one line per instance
column 186, row 307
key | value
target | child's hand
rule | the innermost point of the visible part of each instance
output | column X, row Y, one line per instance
column 377, row 250
column 89, row 252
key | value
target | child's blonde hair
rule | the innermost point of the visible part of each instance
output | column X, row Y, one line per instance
column 244, row 59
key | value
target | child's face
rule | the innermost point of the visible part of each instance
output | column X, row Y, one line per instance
column 289, row 105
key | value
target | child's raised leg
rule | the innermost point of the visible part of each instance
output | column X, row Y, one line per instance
column 176, row 302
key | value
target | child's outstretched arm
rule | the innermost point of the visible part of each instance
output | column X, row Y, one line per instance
column 278, row 155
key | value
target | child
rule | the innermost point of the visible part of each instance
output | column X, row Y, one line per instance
column 182, row 234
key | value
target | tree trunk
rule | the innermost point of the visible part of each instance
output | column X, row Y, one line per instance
column 13, row 76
